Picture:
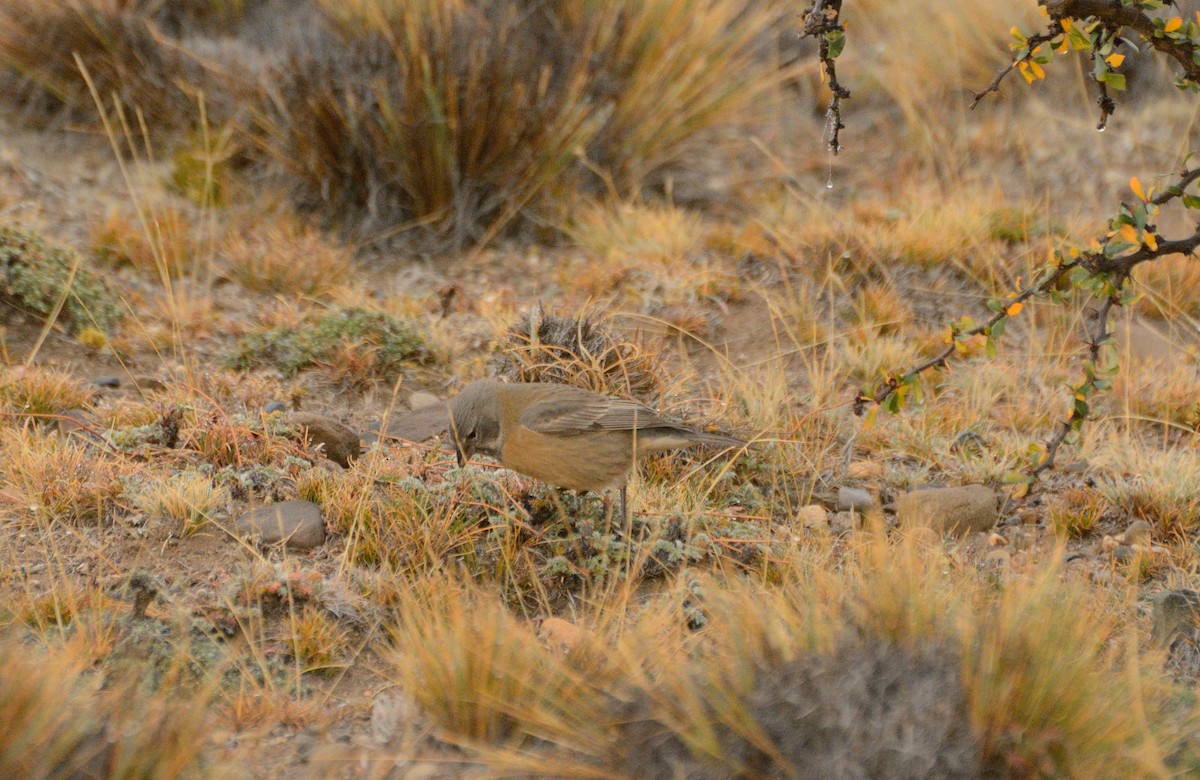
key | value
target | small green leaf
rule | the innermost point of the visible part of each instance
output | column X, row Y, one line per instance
column 837, row 41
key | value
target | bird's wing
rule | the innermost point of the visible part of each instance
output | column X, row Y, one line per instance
column 589, row 412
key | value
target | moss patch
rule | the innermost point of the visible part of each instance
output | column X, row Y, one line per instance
column 290, row 349
column 34, row 273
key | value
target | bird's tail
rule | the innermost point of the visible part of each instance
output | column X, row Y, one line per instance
column 719, row 440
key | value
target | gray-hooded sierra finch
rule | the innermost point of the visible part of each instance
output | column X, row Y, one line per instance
column 565, row 436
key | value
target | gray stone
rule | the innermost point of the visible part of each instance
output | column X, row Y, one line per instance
column 1125, row 554
column 275, row 406
column 107, row 381
column 300, row 525
column 855, row 499
column 339, row 443
column 962, row 510
column 1174, row 613
column 421, row 400
column 420, row 425
column 149, row 384
column 843, row 523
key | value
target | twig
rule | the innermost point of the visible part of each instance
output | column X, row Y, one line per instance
column 822, row 20
column 1053, row 31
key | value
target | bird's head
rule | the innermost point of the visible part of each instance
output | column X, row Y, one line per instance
column 475, row 421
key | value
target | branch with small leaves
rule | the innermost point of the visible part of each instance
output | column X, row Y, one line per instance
column 1103, row 271
column 822, row 20
column 1094, row 27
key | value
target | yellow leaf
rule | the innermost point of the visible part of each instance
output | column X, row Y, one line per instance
column 1066, row 23
column 1038, row 71
column 1151, row 241
column 1173, row 25
column 1135, row 184
column 1015, row 309
column 1115, row 60
column 1129, row 233
column 872, row 416
column 1024, row 68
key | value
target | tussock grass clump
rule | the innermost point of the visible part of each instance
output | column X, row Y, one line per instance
column 393, row 118
column 57, row 480
column 896, row 665
column 38, row 391
column 376, row 342
column 188, row 499
column 579, row 351
column 451, row 116
column 479, row 673
column 58, row 724
column 119, row 43
column 37, row 275
column 1075, row 511
column 1162, row 487
column 165, row 248
column 285, row 256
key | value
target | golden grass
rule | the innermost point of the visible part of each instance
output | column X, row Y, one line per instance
column 709, row 613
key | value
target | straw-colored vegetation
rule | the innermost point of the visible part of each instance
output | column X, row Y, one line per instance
column 228, row 227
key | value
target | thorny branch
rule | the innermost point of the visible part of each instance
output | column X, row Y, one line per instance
column 1116, row 268
column 1053, row 31
column 1115, row 14
column 823, row 21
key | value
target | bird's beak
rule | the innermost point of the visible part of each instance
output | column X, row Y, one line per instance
column 462, row 457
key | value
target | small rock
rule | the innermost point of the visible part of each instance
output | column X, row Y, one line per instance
column 420, row 425
column 1109, row 543
column 855, row 499
column 149, row 384
column 339, row 443
column 924, row 535
column 298, row 524
column 959, row 509
column 1174, row 612
column 393, row 716
column 813, row 518
column 1138, row 532
column 996, row 540
column 107, row 381
column 843, row 523
column 1125, row 554
column 422, row 400
column 865, row 469
column 1101, row 576
column 561, row 635
column 275, row 406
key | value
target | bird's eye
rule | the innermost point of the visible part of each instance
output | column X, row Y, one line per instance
column 473, row 435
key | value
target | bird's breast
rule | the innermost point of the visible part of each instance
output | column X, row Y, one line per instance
column 591, row 460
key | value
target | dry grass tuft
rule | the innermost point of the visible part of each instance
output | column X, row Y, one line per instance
column 190, row 500
column 58, row 480
column 39, row 392
column 631, row 86
column 58, row 723
column 119, row 43
column 285, row 256
column 578, row 351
